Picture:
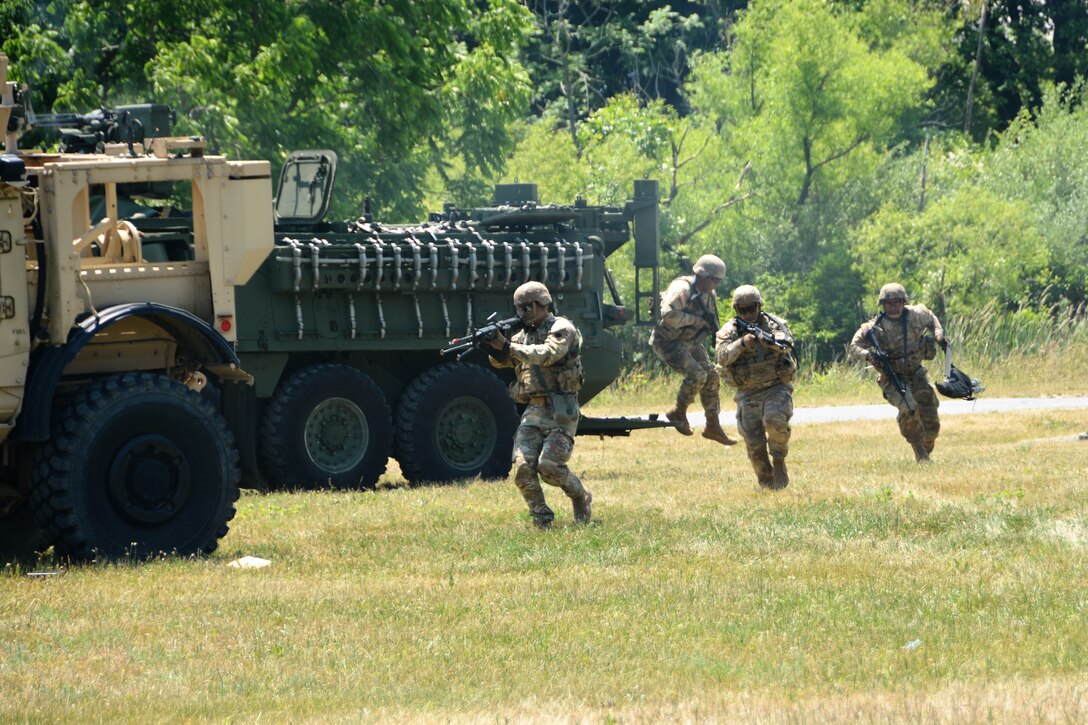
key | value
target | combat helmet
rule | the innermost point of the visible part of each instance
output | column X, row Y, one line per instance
column 710, row 266
column 892, row 291
column 532, row 292
column 745, row 295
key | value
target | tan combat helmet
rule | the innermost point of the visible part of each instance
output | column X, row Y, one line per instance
column 892, row 291
column 710, row 266
column 532, row 292
column 745, row 295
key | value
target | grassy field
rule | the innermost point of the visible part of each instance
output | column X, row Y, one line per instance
column 1047, row 368
column 873, row 589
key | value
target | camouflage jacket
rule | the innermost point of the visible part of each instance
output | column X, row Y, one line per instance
column 554, row 348
column 907, row 341
column 760, row 367
column 685, row 314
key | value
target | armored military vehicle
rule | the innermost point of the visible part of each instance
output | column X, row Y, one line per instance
column 133, row 308
column 109, row 446
column 342, row 326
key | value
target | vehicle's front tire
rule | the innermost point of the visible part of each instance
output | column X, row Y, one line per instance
column 455, row 421
column 327, row 425
column 138, row 464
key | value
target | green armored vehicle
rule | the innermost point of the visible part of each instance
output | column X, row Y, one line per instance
column 342, row 325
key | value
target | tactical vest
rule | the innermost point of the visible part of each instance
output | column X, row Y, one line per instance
column 759, row 368
column 565, row 376
column 906, row 341
column 702, row 305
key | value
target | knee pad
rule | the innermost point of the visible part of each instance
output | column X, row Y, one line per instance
column 777, row 422
column 551, row 471
column 697, row 376
column 525, row 473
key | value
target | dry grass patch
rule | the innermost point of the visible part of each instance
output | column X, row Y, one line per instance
column 696, row 597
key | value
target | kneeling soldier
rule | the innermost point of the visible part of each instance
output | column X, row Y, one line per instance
column 548, row 369
column 755, row 354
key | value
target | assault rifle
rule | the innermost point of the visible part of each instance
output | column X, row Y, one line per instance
column 764, row 337
column 710, row 317
column 480, row 336
column 886, row 365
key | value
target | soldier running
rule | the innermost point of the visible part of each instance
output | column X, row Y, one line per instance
column 688, row 313
column 897, row 341
column 755, row 354
column 548, row 370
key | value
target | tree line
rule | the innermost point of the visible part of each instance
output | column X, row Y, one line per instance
column 820, row 147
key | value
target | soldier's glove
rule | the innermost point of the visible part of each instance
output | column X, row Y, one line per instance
column 879, row 358
column 943, row 343
column 499, row 355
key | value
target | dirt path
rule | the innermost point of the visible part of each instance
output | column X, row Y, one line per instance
column 883, row 411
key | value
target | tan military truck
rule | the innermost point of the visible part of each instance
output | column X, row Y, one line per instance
column 107, row 444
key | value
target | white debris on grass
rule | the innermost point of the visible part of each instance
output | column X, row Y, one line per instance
column 249, row 562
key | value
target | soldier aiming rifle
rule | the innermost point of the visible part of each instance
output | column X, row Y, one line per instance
column 480, row 336
column 755, row 354
column 545, row 356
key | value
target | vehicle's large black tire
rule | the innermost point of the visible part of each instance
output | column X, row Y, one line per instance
column 138, row 464
column 455, row 421
column 326, row 426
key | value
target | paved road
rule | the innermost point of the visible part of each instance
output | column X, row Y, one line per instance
column 842, row 413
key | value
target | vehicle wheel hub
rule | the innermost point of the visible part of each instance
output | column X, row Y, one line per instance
column 466, row 432
column 149, row 479
column 337, row 435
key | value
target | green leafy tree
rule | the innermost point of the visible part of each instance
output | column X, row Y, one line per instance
column 961, row 253
column 395, row 88
column 1007, row 51
column 584, row 53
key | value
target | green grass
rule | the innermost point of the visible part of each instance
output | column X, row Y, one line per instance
column 1053, row 368
column 1029, row 352
column 696, row 596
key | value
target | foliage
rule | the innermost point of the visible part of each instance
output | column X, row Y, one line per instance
column 1025, row 46
column 392, row 87
column 963, row 251
column 816, row 146
column 581, row 54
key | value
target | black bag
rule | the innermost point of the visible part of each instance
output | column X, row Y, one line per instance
column 959, row 385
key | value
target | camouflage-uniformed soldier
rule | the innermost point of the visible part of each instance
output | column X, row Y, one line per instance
column 907, row 335
column 548, row 369
column 762, row 369
column 688, row 313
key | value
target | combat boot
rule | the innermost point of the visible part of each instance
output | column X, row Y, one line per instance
column 781, row 476
column 678, row 414
column 761, row 463
column 541, row 514
column 714, row 432
column 583, row 512
column 921, row 455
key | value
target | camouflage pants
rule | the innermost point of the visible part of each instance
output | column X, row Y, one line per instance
column 689, row 358
column 924, row 425
column 543, row 454
column 763, row 419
